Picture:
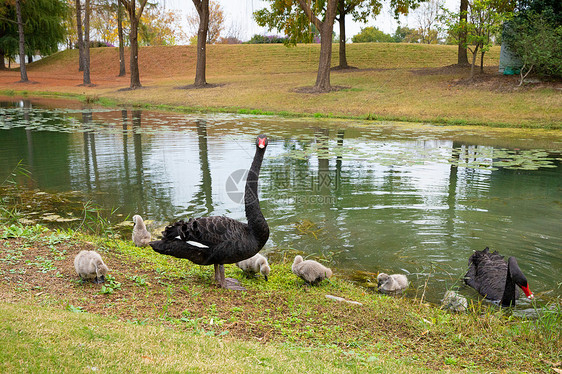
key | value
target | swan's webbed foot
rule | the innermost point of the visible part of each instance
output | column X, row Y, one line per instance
column 233, row 284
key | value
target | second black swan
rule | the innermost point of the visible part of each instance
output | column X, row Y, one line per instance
column 495, row 279
column 219, row 240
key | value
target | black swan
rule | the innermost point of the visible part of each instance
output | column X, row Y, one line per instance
column 221, row 240
column 495, row 279
column 141, row 236
column 310, row 271
column 90, row 266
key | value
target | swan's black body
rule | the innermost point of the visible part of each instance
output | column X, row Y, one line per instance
column 495, row 279
column 219, row 240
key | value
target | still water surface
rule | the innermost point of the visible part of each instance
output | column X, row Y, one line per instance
column 372, row 197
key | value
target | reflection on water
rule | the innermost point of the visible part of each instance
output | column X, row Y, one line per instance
column 387, row 197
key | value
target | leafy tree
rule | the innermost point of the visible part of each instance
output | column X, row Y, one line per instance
column 537, row 40
column 484, row 19
column 402, row 34
column 159, row 26
column 42, row 26
column 104, row 20
column 372, row 35
column 8, row 32
column 294, row 19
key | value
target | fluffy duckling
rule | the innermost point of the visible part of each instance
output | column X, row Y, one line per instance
column 141, row 236
column 310, row 271
column 255, row 264
column 455, row 302
column 90, row 266
column 394, row 283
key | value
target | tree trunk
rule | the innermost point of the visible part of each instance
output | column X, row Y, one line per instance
column 80, row 37
column 29, row 59
column 202, row 7
column 326, row 29
column 323, row 76
column 2, row 60
column 474, row 54
column 462, row 54
column 23, row 70
column 482, row 62
column 86, row 57
column 133, row 38
column 343, row 56
column 121, row 39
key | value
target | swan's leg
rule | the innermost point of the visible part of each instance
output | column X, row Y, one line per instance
column 219, row 275
column 228, row 283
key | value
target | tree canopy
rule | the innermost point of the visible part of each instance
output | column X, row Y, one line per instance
column 371, row 35
column 484, row 20
column 43, row 26
column 535, row 35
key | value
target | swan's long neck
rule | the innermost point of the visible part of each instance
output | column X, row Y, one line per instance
column 255, row 218
column 508, row 298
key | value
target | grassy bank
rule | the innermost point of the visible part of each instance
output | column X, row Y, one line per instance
column 160, row 313
column 391, row 81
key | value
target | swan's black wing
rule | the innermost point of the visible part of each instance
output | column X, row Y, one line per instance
column 207, row 240
column 487, row 273
column 473, row 263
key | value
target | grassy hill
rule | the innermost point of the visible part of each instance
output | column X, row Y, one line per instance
column 409, row 82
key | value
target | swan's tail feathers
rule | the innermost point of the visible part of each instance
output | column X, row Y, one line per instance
column 473, row 262
column 174, row 248
column 175, row 231
column 479, row 256
column 158, row 246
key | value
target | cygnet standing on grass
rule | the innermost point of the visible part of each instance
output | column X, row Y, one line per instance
column 141, row 236
column 310, row 271
column 394, row 283
column 255, row 264
column 90, row 266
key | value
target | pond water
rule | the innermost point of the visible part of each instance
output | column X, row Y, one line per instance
column 369, row 196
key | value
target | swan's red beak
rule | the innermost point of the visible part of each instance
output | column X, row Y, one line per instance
column 261, row 142
column 527, row 291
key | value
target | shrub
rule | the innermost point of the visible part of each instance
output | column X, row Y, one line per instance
column 537, row 42
column 266, row 39
column 96, row 44
column 370, row 35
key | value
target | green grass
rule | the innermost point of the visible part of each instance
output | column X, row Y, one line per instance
column 159, row 313
column 48, row 340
